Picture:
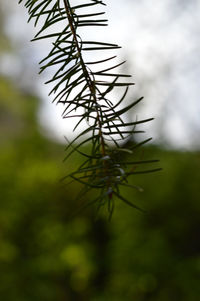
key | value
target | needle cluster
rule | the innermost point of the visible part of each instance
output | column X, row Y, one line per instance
column 85, row 88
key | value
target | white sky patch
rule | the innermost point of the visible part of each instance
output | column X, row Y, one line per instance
column 160, row 40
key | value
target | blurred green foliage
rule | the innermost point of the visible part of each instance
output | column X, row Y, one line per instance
column 48, row 254
column 5, row 44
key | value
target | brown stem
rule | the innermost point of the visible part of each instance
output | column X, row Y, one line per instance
column 91, row 86
column 89, row 81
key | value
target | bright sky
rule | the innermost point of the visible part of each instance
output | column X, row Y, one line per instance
column 160, row 40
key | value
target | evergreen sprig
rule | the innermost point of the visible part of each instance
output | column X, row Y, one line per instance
column 86, row 88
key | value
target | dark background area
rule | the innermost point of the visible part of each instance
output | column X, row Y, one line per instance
column 48, row 253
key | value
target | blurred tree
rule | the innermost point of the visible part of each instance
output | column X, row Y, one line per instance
column 4, row 42
column 40, row 242
column 49, row 254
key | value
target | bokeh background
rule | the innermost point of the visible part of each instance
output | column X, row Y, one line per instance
column 47, row 252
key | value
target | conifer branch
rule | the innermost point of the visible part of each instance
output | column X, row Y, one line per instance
column 78, row 86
